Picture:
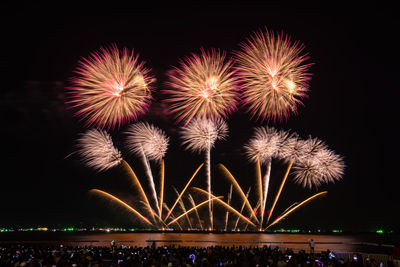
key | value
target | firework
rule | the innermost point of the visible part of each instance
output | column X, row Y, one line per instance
column 260, row 189
column 197, row 213
column 290, row 210
column 162, row 176
column 227, row 212
column 265, row 144
column 200, row 136
column 273, row 75
column 183, row 208
column 183, row 191
column 172, row 216
column 322, row 167
column 232, row 179
column 266, row 179
column 194, row 208
column 111, row 197
column 111, row 88
column 204, row 86
column 280, row 188
column 97, row 150
column 241, row 208
column 224, row 204
column 137, row 185
column 148, row 139
column 293, row 147
column 262, row 147
column 149, row 143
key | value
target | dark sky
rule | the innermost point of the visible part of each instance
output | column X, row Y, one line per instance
column 352, row 106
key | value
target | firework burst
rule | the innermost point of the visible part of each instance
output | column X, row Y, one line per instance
column 148, row 139
column 111, row 88
column 200, row 135
column 323, row 166
column 273, row 75
column 204, row 86
column 97, row 150
column 292, row 148
column 265, row 144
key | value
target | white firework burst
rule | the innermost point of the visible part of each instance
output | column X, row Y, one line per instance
column 145, row 138
column 97, row 150
column 200, row 134
column 265, row 144
column 320, row 166
column 292, row 147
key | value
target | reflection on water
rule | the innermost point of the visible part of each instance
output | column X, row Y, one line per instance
column 293, row 241
column 338, row 243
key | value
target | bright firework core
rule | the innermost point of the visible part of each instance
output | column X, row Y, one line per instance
column 117, row 88
column 210, row 87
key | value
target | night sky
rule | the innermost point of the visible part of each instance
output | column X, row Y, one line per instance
column 352, row 106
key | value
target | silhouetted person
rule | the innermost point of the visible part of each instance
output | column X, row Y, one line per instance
column 311, row 243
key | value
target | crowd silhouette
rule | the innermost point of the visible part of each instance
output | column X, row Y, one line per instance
column 59, row 255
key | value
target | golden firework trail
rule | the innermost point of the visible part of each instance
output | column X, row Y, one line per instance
column 172, row 216
column 183, row 208
column 239, row 189
column 294, row 208
column 223, row 203
column 155, row 213
column 280, row 188
column 138, row 185
column 241, row 209
column 162, row 175
column 197, row 213
column 256, row 208
column 194, row 208
column 109, row 196
column 229, row 202
column 183, row 191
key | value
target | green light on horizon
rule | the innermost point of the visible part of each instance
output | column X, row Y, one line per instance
column 336, row 231
column 380, row 231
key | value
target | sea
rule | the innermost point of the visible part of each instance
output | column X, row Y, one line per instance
column 362, row 242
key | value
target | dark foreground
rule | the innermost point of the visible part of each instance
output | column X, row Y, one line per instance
column 44, row 255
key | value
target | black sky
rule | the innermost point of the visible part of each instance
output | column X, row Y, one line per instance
column 352, row 105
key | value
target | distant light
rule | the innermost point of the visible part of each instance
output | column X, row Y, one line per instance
column 380, row 231
column 336, row 231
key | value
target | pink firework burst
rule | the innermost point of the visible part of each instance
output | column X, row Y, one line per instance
column 273, row 75
column 111, row 88
column 204, row 86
